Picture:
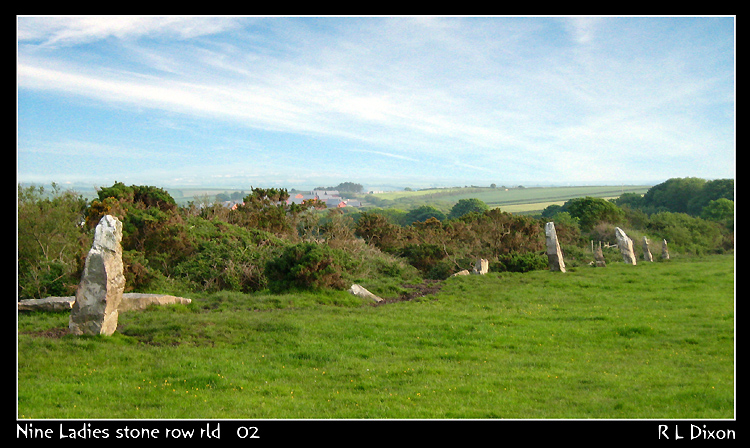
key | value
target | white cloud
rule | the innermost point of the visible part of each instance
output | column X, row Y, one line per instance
column 583, row 29
column 74, row 30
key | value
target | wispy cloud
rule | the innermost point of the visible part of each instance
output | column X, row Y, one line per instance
column 511, row 92
column 75, row 30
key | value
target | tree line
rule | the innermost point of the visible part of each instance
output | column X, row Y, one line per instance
column 269, row 244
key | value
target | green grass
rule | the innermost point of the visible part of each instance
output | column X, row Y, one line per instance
column 652, row 341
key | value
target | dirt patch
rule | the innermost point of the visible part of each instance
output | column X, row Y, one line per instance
column 426, row 288
column 52, row 333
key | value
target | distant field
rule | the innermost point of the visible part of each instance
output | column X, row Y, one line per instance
column 184, row 195
column 514, row 200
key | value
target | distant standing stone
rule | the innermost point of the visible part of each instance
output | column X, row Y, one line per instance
column 554, row 254
column 626, row 246
column 646, row 252
column 481, row 267
column 664, row 250
column 599, row 257
column 102, row 283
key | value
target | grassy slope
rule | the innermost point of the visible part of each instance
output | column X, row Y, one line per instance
column 649, row 341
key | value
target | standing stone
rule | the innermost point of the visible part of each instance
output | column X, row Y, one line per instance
column 646, row 252
column 626, row 246
column 599, row 257
column 102, row 283
column 554, row 254
column 481, row 267
column 664, row 250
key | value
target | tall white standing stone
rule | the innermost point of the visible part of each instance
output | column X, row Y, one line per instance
column 626, row 246
column 554, row 254
column 102, row 283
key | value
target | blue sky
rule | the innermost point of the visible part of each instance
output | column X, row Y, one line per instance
column 410, row 101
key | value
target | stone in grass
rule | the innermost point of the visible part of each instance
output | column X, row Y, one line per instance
column 359, row 291
column 131, row 301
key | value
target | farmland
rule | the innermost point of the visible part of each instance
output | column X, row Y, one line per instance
column 513, row 200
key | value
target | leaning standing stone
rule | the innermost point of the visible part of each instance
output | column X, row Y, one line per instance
column 102, row 283
column 554, row 254
column 646, row 252
column 626, row 246
column 664, row 250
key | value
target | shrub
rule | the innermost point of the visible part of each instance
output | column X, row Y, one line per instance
column 51, row 243
column 686, row 233
column 517, row 262
column 227, row 256
column 424, row 257
column 309, row 265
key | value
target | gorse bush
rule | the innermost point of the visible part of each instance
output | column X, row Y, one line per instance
column 267, row 243
column 530, row 261
column 227, row 257
column 309, row 266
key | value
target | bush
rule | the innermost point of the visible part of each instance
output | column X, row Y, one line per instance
column 309, row 266
column 687, row 234
column 226, row 256
column 517, row 262
column 51, row 242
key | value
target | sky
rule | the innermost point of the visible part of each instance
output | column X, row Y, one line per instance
column 413, row 101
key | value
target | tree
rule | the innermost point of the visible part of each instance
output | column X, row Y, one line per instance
column 551, row 210
column 423, row 213
column 720, row 210
column 591, row 211
column 632, row 200
column 464, row 206
column 711, row 191
column 673, row 195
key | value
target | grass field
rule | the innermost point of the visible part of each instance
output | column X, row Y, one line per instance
column 514, row 200
column 652, row 341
